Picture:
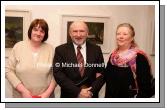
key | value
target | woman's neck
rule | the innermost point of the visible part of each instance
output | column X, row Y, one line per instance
column 123, row 48
column 35, row 45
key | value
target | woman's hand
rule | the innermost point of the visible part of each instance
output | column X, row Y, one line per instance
column 25, row 93
column 44, row 95
column 47, row 93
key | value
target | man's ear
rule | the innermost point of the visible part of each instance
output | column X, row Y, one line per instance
column 69, row 33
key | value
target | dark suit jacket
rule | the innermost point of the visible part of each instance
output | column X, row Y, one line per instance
column 69, row 78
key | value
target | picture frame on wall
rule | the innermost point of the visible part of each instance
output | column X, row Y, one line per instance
column 16, row 27
column 98, row 29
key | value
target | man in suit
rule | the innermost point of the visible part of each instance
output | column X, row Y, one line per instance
column 78, row 72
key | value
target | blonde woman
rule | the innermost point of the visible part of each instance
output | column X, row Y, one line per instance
column 128, row 71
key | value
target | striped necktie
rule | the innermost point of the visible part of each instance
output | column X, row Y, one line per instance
column 80, row 61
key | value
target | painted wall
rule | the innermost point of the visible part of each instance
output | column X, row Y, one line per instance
column 141, row 17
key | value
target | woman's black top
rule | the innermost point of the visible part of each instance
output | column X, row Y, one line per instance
column 119, row 80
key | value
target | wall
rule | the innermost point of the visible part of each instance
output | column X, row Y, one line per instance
column 140, row 17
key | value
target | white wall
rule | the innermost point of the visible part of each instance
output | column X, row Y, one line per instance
column 140, row 17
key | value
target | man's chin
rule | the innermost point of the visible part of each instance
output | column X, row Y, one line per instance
column 79, row 42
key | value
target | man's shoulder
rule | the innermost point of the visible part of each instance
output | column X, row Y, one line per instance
column 63, row 46
column 92, row 45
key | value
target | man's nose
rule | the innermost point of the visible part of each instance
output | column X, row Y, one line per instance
column 78, row 33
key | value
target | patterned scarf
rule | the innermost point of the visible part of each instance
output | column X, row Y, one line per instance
column 127, row 59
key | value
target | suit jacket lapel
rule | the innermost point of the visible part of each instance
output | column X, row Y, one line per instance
column 73, row 57
column 72, row 54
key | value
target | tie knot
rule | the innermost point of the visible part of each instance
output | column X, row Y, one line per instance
column 79, row 47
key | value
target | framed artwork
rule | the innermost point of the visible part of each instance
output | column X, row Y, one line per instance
column 98, row 29
column 16, row 27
